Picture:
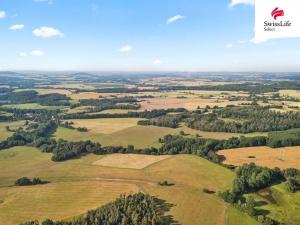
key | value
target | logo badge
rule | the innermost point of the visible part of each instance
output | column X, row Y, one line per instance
column 277, row 12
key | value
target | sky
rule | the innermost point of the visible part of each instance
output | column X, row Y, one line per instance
column 138, row 35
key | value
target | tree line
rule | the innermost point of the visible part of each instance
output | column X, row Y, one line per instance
column 31, row 96
column 144, row 114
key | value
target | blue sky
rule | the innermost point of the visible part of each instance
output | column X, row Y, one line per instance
column 138, row 35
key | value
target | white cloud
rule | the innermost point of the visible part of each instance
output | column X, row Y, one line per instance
column 47, row 32
column 22, row 54
column 125, row 48
column 157, row 62
column 37, row 53
column 239, row 2
column 174, row 19
column 2, row 14
column 230, row 45
column 17, row 27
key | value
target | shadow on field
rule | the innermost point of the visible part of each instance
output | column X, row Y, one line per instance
column 163, row 207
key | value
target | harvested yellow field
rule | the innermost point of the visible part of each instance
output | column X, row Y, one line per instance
column 290, row 93
column 129, row 161
column 58, row 200
column 288, row 157
column 54, row 91
column 106, row 126
column 189, row 104
column 84, row 95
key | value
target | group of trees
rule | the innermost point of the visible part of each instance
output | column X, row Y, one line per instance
column 144, row 114
column 284, row 138
column 98, row 105
column 136, row 209
column 40, row 115
column 171, row 121
column 70, row 124
column 251, row 87
column 19, row 97
column 248, row 119
column 251, row 178
column 63, row 150
column 25, row 181
column 31, row 137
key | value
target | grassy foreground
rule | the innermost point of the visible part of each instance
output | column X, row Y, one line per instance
column 78, row 185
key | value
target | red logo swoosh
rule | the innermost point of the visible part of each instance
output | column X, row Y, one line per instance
column 277, row 12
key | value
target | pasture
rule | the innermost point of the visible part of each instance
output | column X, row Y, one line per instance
column 53, row 91
column 282, row 205
column 288, row 157
column 84, row 95
column 4, row 134
column 187, row 103
column 106, row 126
column 78, row 185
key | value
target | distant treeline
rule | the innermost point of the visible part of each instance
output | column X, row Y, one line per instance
column 144, row 114
column 242, row 120
column 248, row 120
column 21, row 97
column 171, row 121
column 252, row 87
column 40, row 115
column 136, row 209
column 99, row 105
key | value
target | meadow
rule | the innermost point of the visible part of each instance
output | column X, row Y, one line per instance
column 280, row 204
column 4, row 133
column 78, row 185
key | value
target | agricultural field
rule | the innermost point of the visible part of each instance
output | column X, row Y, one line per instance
column 287, row 157
column 130, row 161
column 187, row 103
column 290, row 93
column 93, row 185
column 94, row 141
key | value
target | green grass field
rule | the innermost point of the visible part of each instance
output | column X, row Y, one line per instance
column 236, row 217
column 78, row 185
column 4, row 134
column 285, row 207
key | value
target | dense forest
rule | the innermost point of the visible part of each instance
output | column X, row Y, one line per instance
column 241, row 120
column 136, row 209
column 21, row 97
